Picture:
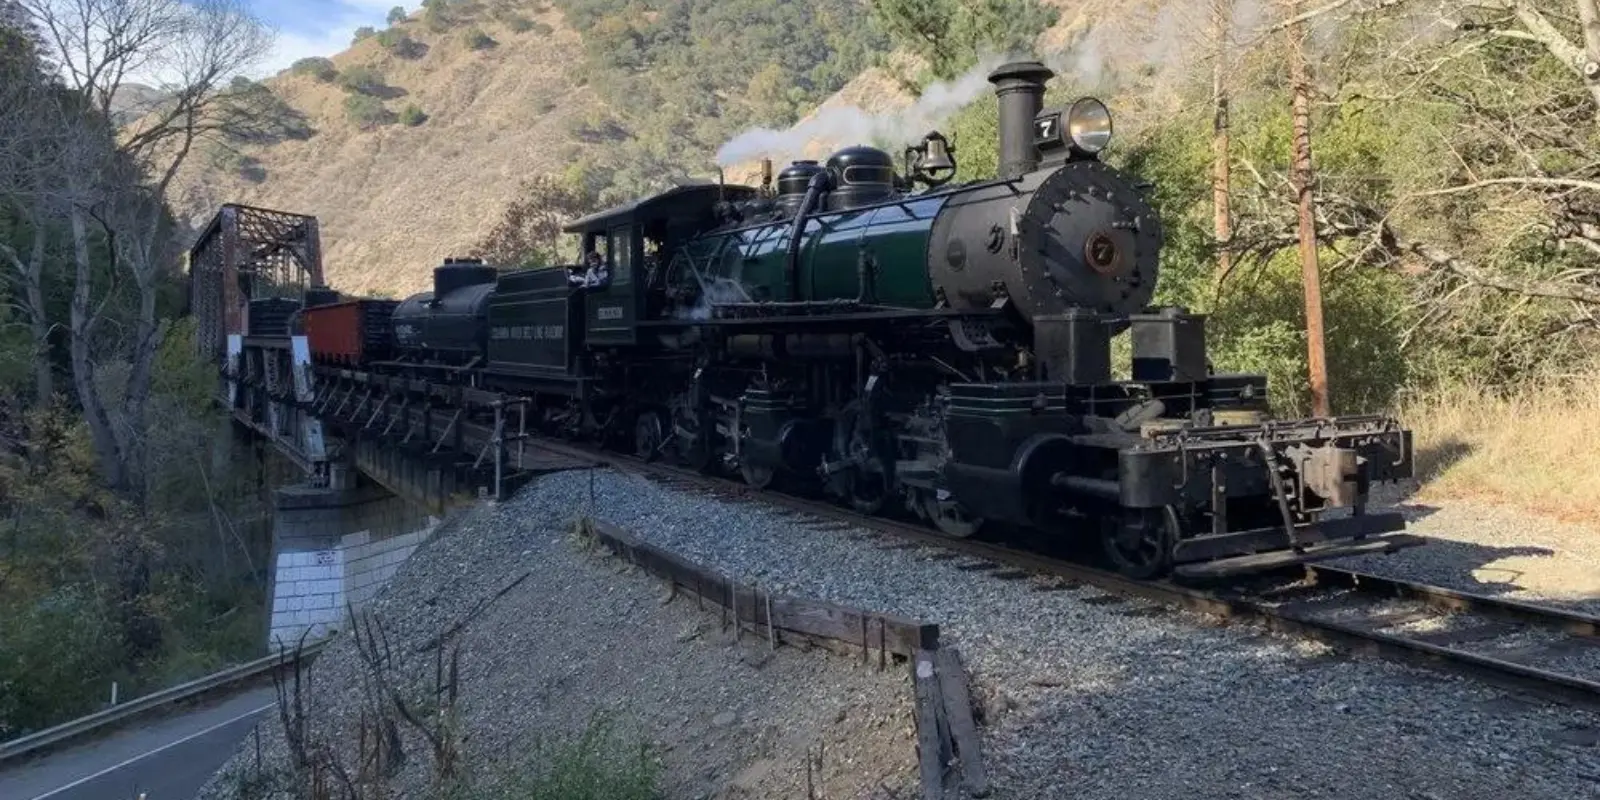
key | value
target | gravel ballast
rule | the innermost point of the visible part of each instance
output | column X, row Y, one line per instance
column 1090, row 696
column 584, row 633
column 1477, row 547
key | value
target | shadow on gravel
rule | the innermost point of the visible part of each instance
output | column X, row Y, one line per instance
column 1487, row 570
column 1482, row 564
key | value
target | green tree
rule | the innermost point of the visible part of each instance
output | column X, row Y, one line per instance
column 103, row 571
column 436, row 14
column 950, row 35
column 401, row 44
column 676, row 75
column 397, row 15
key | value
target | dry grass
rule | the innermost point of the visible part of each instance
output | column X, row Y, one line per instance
column 1537, row 448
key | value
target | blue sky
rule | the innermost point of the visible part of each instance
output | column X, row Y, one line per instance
column 317, row 27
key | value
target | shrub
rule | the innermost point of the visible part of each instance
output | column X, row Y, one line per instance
column 361, row 80
column 320, row 68
column 411, row 116
column 400, row 44
column 363, row 32
column 476, row 39
column 367, row 111
column 598, row 765
column 229, row 160
column 519, row 24
column 436, row 13
column 62, row 651
column 397, row 15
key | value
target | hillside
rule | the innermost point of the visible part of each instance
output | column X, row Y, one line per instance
column 133, row 100
column 394, row 200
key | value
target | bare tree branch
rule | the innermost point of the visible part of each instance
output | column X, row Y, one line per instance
column 1584, row 61
column 190, row 48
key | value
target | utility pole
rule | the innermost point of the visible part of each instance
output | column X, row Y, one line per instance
column 1304, row 177
column 1221, row 24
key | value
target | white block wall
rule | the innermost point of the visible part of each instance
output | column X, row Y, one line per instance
column 309, row 594
column 336, row 552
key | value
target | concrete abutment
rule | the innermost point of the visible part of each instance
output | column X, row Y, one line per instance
column 334, row 548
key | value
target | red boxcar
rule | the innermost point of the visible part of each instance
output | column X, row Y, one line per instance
column 352, row 332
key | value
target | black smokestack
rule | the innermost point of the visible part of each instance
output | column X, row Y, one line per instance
column 1020, row 87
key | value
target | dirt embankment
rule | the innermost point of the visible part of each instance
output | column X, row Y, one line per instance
column 576, row 638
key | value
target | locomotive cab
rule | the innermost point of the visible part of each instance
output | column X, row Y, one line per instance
column 635, row 242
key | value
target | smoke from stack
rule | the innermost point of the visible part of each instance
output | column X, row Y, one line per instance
column 852, row 125
column 1167, row 35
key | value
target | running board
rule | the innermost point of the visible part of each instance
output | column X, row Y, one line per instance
column 1277, row 559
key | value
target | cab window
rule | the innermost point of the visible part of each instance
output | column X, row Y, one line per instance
column 620, row 256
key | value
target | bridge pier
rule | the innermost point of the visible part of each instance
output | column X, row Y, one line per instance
column 333, row 548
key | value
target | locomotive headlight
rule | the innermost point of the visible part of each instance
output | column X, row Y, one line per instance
column 1089, row 125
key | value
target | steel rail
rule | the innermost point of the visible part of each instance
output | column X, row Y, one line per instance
column 1453, row 600
column 122, row 712
column 1230, row 605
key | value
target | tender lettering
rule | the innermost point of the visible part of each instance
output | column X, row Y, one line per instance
column 541, row 333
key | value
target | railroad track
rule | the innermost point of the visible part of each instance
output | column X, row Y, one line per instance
column 1548, row 652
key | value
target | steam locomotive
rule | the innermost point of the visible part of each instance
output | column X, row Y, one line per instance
column 905, row 344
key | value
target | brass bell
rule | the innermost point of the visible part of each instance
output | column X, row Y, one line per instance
column 938, row 155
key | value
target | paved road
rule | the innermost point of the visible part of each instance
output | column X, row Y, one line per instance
column 167, row 759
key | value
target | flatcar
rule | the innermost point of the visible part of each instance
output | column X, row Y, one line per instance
column 903, row 343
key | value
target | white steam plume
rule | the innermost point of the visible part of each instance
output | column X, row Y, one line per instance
column 853, row 125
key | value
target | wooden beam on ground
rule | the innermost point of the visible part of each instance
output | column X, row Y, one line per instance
column 930, row 729
column 963, row 730
column 767, row 615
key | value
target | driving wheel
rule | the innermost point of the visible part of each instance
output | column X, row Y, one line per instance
column 866, row 484
column 949, row 516
column 1140, row 545
column 757, row 476
column 648, row 436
